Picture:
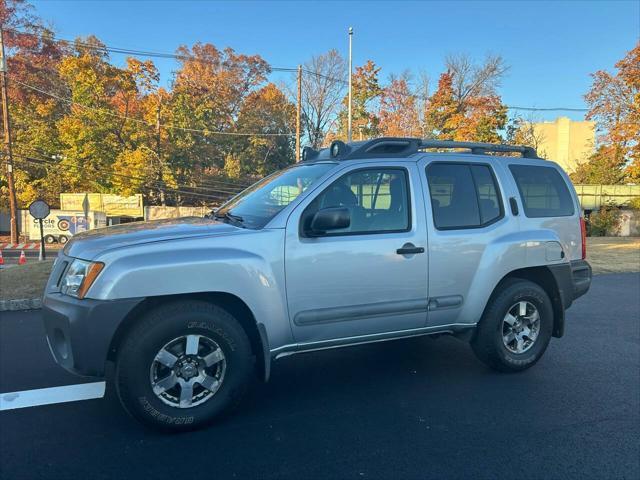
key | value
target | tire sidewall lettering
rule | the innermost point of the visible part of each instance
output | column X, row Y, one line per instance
column 204, row 325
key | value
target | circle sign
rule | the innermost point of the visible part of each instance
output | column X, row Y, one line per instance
column 39, row 209
column 64, row 225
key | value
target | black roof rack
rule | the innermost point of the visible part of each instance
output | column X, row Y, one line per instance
column 399, row 147
column 479, row 148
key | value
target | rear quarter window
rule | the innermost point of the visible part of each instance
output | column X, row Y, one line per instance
column 543, row 191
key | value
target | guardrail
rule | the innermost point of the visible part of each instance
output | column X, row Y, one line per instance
column 592, row 197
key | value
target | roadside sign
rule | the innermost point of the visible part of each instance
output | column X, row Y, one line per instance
column 85, row 206
column 39, row 210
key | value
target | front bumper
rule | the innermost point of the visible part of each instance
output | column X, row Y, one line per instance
column 79, row 332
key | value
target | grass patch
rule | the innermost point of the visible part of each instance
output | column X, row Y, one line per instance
column 613, row 254
column 24, row 281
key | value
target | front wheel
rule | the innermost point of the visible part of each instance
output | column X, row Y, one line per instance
column 183, row 365
column 516, row 327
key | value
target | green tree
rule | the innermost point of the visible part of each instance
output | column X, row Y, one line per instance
column 264, row 111
column 605, row 166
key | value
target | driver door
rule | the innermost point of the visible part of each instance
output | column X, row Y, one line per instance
column 357, row 280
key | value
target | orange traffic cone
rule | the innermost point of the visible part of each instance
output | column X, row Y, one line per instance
column 1, row 259
column 22, row 260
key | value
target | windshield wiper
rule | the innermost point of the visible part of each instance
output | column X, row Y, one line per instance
column 231, row 218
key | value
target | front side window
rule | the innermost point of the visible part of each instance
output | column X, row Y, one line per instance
column 463, row 195
column 377, row 200
column 258, row 204
column 543, row 191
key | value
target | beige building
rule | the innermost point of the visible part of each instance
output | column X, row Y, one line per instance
column 565, row 141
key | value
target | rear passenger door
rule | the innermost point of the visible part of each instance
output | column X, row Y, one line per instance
column 465, row 213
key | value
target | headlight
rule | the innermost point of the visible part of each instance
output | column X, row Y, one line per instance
column 79, row 277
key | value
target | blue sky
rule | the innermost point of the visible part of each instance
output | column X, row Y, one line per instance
column 551, row 46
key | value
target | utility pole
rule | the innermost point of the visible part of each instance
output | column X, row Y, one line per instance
column 350, row 75
column 298, row 113
column 158, row 153
column 7, row 145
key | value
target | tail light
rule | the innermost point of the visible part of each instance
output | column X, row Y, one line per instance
column 583, row 234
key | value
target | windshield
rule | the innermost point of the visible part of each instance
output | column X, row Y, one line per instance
column 258, row 204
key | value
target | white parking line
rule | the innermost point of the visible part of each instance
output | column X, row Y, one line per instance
column 47, row 396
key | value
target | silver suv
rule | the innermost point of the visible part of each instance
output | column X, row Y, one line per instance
column 361, row 242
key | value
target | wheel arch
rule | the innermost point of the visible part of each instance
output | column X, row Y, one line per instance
column 234, row 305
column 545, row 278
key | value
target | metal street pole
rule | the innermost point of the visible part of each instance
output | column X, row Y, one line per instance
column 13, row 207
column 350, row 75
column 159, row 154
column 298, row 113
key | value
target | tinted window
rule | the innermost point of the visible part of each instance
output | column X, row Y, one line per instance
column 543, row 191
column 377, row 200
column 463, row 195
column 487, row 193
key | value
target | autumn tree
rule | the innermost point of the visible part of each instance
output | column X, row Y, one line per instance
column 522, row 131
column 466, row 105
column 614, row 104
column 266, row 111
column 399, row 115
column 323, row 86
column 32, row 59
column 208, row 93
column 365, row 103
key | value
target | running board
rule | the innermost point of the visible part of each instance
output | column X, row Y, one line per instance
column 294, row 348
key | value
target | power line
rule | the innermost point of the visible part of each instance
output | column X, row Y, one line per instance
column 426, row 98
column 149, row 124
column 227, row 187
column 130, row 51
column 144, row 53
column 153, row 186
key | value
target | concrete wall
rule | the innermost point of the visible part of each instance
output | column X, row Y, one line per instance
column 5, row 221
column 155, row 212
column 630, row 224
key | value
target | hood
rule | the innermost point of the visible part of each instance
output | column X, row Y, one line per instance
column 89, row 244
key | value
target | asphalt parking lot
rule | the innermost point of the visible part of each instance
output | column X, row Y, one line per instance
column 419, row 408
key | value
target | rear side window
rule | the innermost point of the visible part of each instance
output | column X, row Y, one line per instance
column 463, row 195
column 543, row 191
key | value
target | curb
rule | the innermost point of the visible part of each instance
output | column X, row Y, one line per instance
column 20, row 304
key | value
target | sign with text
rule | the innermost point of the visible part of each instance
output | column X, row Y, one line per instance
column 111, row 205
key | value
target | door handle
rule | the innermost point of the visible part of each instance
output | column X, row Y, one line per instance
column 409, row 249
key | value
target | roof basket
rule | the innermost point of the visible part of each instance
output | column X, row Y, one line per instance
column 400, row 147
column 480, row 148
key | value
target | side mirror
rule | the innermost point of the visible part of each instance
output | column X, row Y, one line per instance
column 333, row 218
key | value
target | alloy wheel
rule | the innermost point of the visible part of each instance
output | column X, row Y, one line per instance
column 188, row 371
column 520, row 327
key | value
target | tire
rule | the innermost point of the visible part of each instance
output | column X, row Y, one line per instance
column 49, row 239
column 137, row 364
column 63, row 239
column 492, row 342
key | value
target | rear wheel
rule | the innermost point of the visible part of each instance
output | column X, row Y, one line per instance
column 63, row 239
column 49, row 239
column 516, row 327
column 183, row 365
